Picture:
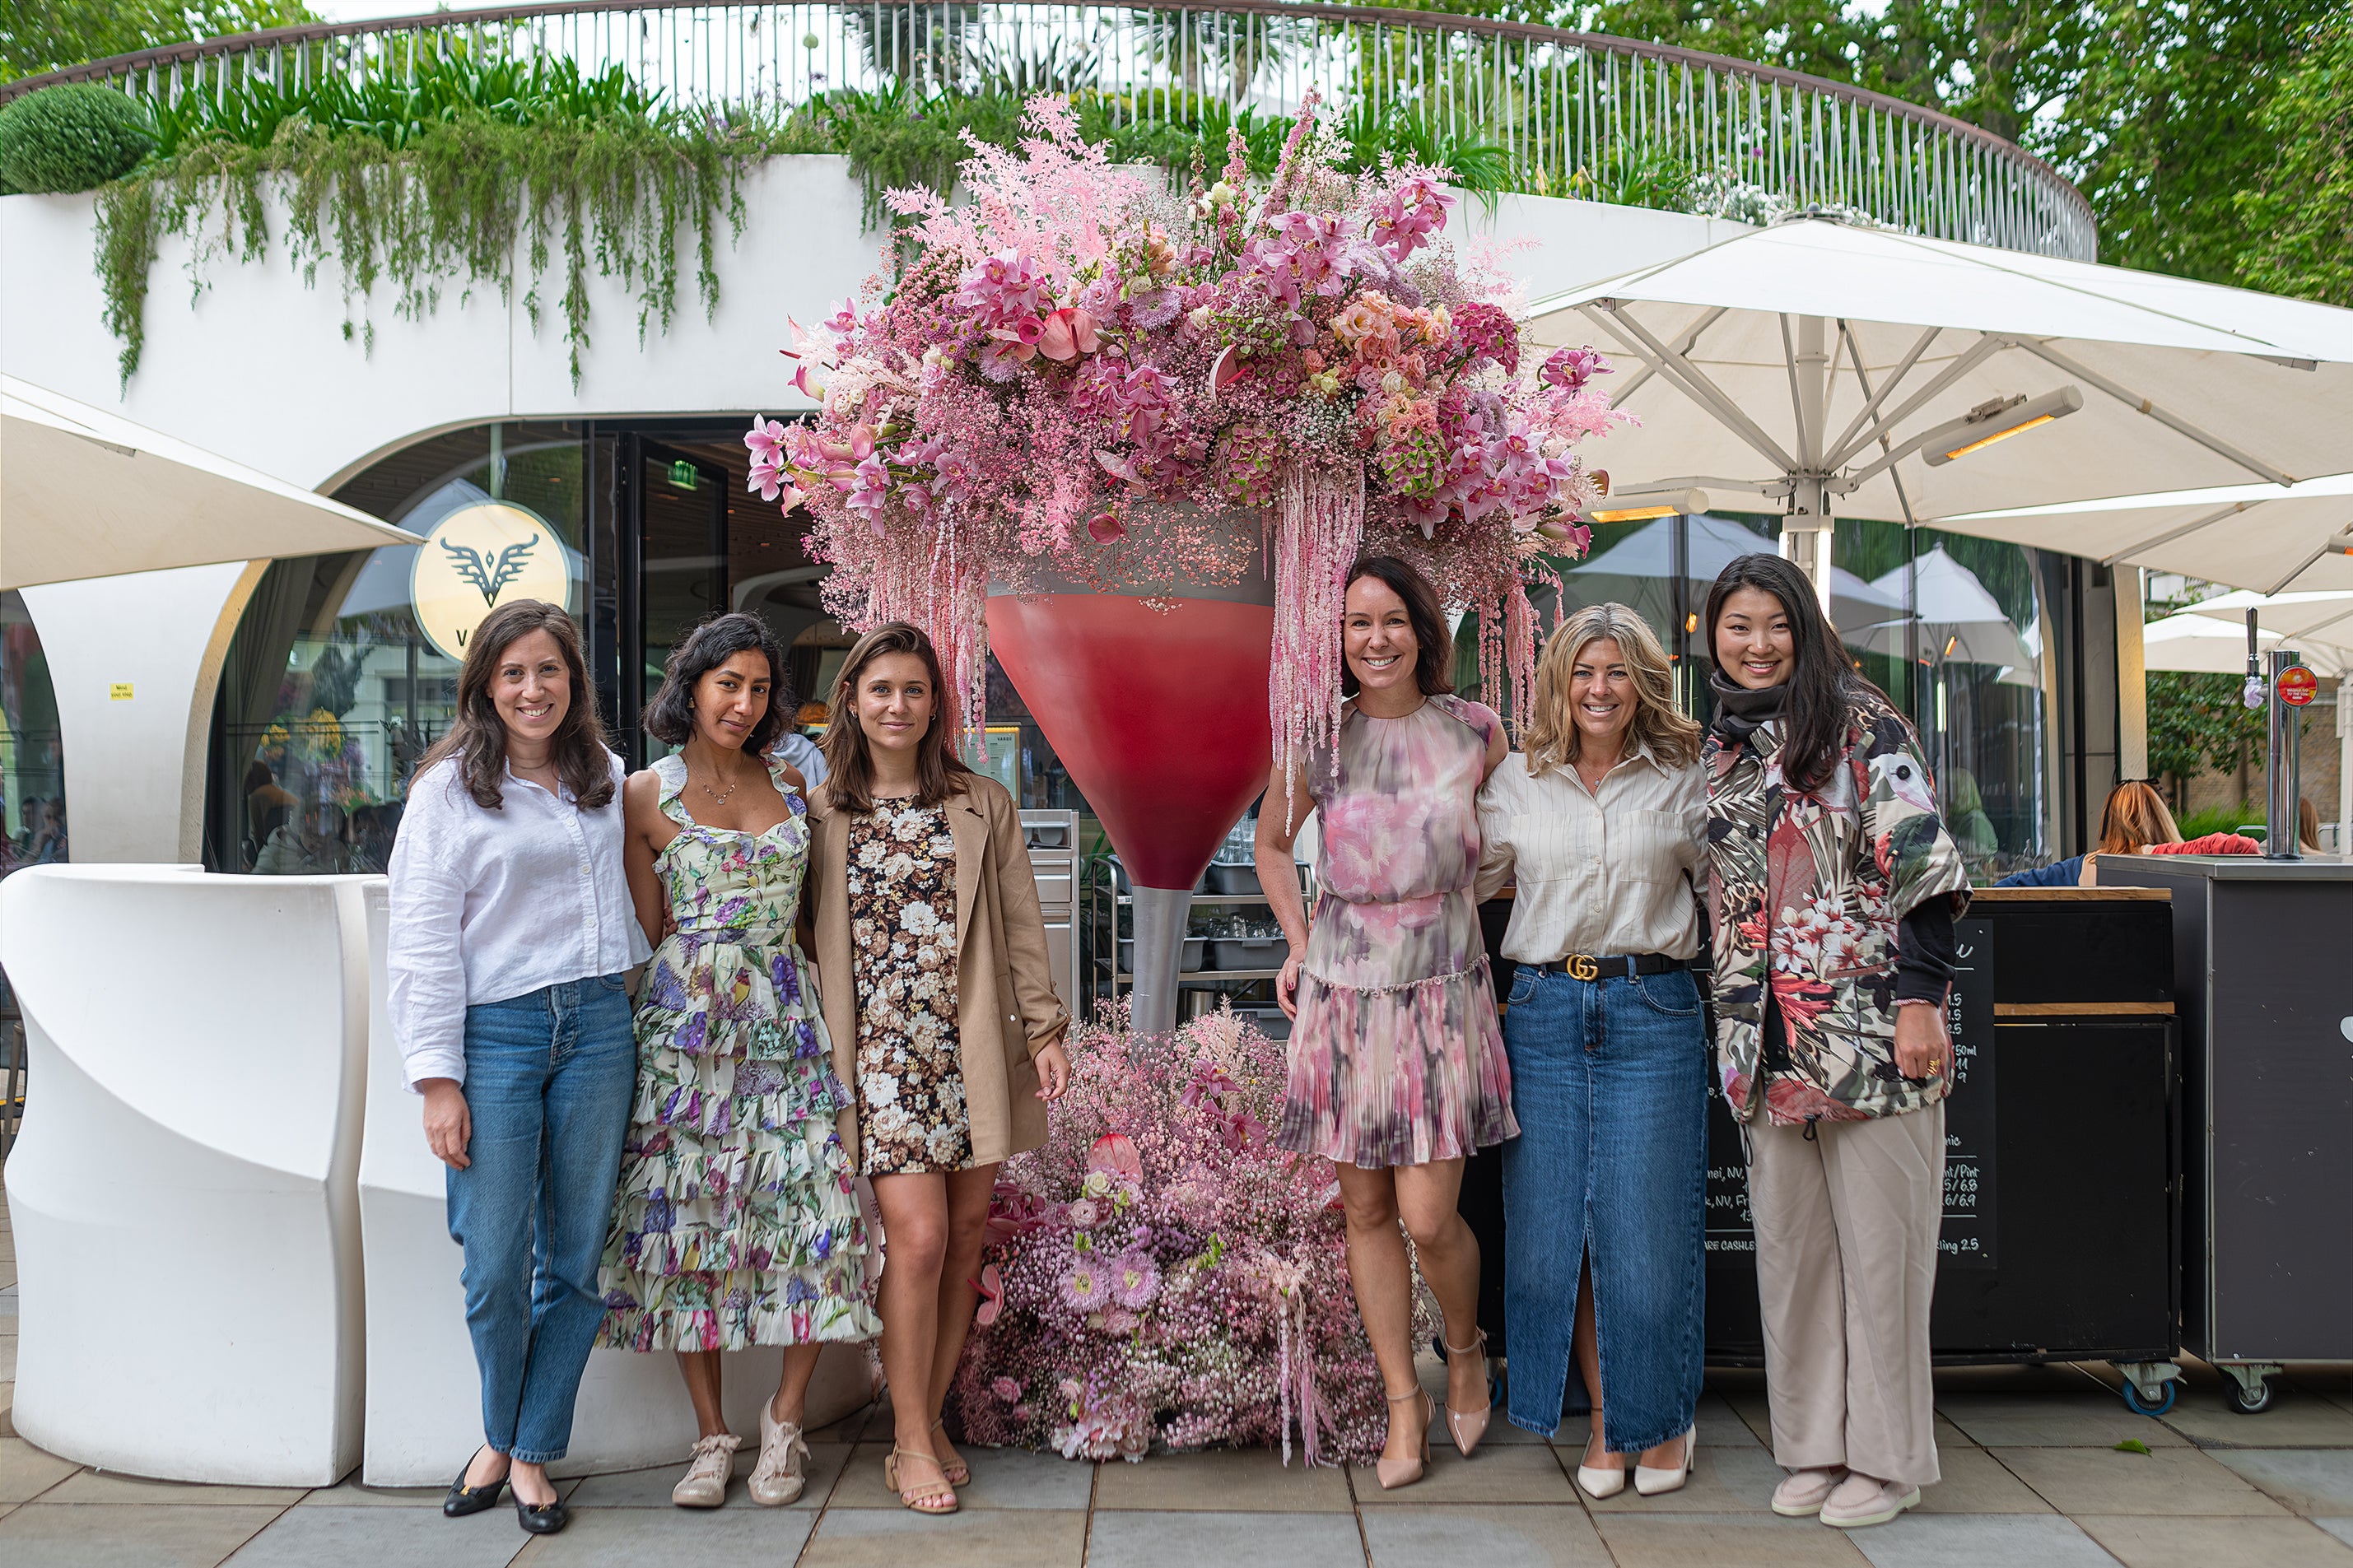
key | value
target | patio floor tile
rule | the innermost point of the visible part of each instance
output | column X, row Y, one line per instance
column 42, row 1535
column 1223, row 1539
column 1227, row 1480
column 1001, row 1477
column 1417, row 1537
column 378, row 1538
column 1723, row 1541
column 993, row 1537
column 1976, row 1482
column 2056, row 1421
column 98, row 1487
column 2309, row 1480
column 2167, row 1481
column 349, row 1493
column 26, row 1472
column 633, row 1538
column 1973, row 1541
column 2139, row 1542
column 2298, row 1418
column 1514, row 1473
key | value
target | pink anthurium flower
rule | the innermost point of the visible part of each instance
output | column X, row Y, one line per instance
column 1223, row 373
column 991, row 1286
column 1067, row 334
column 1105, row 529
column 1116, row 1153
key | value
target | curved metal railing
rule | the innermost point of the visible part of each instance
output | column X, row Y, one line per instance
column 1580, row 112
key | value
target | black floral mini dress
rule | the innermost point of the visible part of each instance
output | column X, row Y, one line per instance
column 902, row 943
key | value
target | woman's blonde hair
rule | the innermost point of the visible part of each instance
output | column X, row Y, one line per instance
column 1552, row 738
column 2135, row 817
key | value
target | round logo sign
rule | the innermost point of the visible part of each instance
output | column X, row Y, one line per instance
column 2297, row 685
column 478, row 557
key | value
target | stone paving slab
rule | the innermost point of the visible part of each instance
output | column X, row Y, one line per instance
column 2308, row 1480
column 46, row 1535
column 1723, row 1541
column 1723, row 1481
column 1206, row 1540
column 995, row 1538
column 379, row 1538
column 1976, row 1482
column 651, row 1488
column 1225, row 1481
column 26, row 1472
column 1414, row 1536
column 2082, row 1420
column 634, row 1537
column 1001, row 1478
column 1975, row 1541
column 2139, row 1542
column 2164, row 1481
column 101, row 1487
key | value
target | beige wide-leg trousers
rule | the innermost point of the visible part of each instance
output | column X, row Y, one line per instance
column 1846, row 1266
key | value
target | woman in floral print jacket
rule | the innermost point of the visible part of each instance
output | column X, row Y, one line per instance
column 1833, row 886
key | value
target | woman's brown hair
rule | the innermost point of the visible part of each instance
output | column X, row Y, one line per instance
column 477, row 738
column 849, row 771
column 1552, row 738
column 2135, row 817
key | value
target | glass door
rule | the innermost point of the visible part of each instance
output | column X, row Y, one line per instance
column 681, row 533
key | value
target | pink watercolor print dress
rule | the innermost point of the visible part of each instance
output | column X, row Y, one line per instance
column 1396, row 1058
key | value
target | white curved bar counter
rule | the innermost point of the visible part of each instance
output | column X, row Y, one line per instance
column 187, row 1226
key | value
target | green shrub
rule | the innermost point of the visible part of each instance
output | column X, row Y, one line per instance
column 72, row 138
column 2219, row 819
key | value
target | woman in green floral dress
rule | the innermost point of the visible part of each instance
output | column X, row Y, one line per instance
column 737, row 1224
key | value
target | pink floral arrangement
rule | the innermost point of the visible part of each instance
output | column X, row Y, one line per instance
column 1073, row 369
column 1159, row 1272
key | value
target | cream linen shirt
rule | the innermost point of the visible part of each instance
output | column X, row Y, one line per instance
column 1599, row 871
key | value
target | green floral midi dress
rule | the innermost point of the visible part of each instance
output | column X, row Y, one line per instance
column 736, row 1223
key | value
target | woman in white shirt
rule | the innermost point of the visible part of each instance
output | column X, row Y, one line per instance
column 1601, row 822
column 512, row 928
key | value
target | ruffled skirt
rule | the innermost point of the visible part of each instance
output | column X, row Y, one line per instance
column 736, row 1223
column 1398, row 1076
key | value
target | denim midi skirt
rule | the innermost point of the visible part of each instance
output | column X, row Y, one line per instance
column 1610, row 1081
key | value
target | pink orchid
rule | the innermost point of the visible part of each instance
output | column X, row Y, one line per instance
column 845, row 318
column 765, row 438
column 1569, row 369
column 1002, row 357
column 1066, row 335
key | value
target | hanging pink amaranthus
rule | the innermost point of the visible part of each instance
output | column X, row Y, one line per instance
column 1073, row 352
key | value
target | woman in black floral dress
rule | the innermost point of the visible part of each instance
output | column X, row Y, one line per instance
column 941, row 1006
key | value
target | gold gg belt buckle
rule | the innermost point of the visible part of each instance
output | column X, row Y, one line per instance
column 1581, row 966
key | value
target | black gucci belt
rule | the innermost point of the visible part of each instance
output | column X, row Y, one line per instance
column 1584, row 966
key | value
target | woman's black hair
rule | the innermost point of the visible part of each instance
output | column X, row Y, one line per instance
column 1823, row 686
column 669, row 717
column 1433, row 644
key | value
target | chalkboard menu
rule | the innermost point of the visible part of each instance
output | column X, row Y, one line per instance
column 1966, row 1240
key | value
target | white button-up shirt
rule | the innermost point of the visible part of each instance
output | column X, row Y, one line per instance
column 490, row 905
column 1599, row 871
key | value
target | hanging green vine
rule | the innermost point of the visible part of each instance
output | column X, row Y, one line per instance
column 464, row 175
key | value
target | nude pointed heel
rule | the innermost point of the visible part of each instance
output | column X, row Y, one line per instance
column 1596, row 1482
column 1468, row 1426
column 1394, row 1473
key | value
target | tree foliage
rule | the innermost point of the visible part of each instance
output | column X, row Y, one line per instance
column 38, row 36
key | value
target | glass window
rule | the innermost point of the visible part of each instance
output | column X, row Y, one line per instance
column 33, row 828
column 344, row 667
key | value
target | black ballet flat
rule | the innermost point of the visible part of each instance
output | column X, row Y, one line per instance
column 545, row 1519
column 464, row 1500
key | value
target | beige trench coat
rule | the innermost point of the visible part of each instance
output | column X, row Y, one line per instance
column 1007, row 1011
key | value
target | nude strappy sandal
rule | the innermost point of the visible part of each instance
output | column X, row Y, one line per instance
column 920, row 1497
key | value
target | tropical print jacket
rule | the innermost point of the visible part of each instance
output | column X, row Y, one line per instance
column 1806, row 891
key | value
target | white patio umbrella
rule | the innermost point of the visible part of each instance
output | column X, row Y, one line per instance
column 2192, row 644
column 2273, row 539
column 1876, row 374
column 1960, row 620
column 1646, row 556
column 86, row 494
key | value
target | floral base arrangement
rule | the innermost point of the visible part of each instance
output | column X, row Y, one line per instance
column 1159, row 1274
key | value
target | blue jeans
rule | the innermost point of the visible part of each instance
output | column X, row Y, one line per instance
column 549, row 1078
column 1610, row 1079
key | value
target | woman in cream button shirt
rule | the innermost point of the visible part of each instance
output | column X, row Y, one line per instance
column 1601, row 822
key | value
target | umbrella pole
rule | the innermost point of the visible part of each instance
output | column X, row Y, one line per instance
column 2283, row 767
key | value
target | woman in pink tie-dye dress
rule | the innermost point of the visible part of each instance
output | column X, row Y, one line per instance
column 1398, row 1070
